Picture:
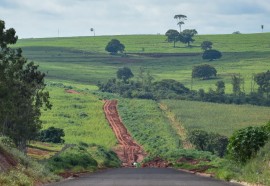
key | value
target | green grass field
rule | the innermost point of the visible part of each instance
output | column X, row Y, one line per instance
column 83, row 60
column 80, row 115
column 218, row 118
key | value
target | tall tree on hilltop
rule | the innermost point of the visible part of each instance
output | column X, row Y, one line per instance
column 22, row 92
column 180, row 20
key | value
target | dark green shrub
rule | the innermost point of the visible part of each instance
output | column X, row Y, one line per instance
column 51, row 134
column 245, row 143
column 211, row 142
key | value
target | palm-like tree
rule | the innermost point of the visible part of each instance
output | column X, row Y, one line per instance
column 180, row 18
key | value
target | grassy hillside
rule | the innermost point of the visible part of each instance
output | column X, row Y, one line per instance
column 80, row 115
column 218, row 118
column 84, row 60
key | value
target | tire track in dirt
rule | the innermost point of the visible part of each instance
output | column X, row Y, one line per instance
column 128, row 150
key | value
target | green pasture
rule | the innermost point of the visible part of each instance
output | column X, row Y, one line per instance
column 83, row 60
column 80, row 115
column 218, row 118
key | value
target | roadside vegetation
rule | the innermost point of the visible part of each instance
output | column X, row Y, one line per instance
column 153, row 72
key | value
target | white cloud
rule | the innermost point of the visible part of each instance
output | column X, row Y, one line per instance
column 35, row 18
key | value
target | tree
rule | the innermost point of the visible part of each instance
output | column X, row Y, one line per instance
column 22, row 92
column 206, row 45
column 114, row 46
column 263, row 80
column 172, row 36
column 220, row 87
column 245, row 143
column 180, row 20
column 211, row 54
column 204, row 71
column 236, row 83
column 187, row 36
column 124, row 73
column 52, row 134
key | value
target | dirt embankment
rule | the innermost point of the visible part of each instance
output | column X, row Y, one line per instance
column 128, row 150
column 7, row 161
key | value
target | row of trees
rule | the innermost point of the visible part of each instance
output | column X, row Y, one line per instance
column 22, row 93
column 145, row 87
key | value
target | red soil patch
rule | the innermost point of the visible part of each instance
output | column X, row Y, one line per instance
column 37, row 152
column 72, row 92
column 157, row 162
column 128, row 150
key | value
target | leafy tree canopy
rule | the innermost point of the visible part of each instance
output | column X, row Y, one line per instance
column 206, row 45
column 263, row 80
column 172, row 36
column 187, row 36
column 52, row 134
column 124, row 73
column 22, row 92
column 115, row 46
column 211, row 54
column 204, row 71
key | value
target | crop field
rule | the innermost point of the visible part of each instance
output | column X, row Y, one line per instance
column 145, row 121
column 80, row 115
column 218, row 118
column 83, row 60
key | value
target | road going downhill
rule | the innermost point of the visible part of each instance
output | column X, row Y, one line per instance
column 142, row 177
column 128, row 150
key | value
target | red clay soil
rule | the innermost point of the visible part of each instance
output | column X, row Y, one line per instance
column 157, row 162
column 72, row 92
column 128, row 150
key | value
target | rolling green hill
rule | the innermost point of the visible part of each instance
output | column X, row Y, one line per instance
column 84, row 60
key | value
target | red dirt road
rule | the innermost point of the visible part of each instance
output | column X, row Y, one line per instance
column 128, row 150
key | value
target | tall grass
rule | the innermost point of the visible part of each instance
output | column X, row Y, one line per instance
column 219, row 118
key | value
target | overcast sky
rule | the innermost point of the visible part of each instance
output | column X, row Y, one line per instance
column 43, row 18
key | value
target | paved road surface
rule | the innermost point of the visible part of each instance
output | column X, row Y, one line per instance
column 142, row 177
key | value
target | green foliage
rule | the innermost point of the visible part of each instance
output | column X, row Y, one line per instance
column 245, row 143
column 237, row 81
column 263, row 80
column 206, row 45
column 27, row 172
column 172, row 36
column 21, row 91
column 73, row 158
column 211, row 142
column 51, row 134
column 114, row 46
column 187, row 36
column 204, row 71
column 124, row 73
column 257, row 170
column 211, row 54
column 83, row 157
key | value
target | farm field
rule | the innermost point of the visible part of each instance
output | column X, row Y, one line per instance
column 83, row 60
column 80, row 115
column 218, row 118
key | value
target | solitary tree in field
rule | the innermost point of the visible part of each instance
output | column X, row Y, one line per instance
column 211, row 55
column 187, row 36
column 204, row 71
column 172, row 36
column 124, row 74
column 263, row 80
column 180, row 20
column 22, row 92
column 206, row 45
column 114, row 46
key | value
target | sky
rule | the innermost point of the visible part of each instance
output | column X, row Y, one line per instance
column 48, row 18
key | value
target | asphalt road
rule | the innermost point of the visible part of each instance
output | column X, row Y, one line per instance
column 142, row 177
